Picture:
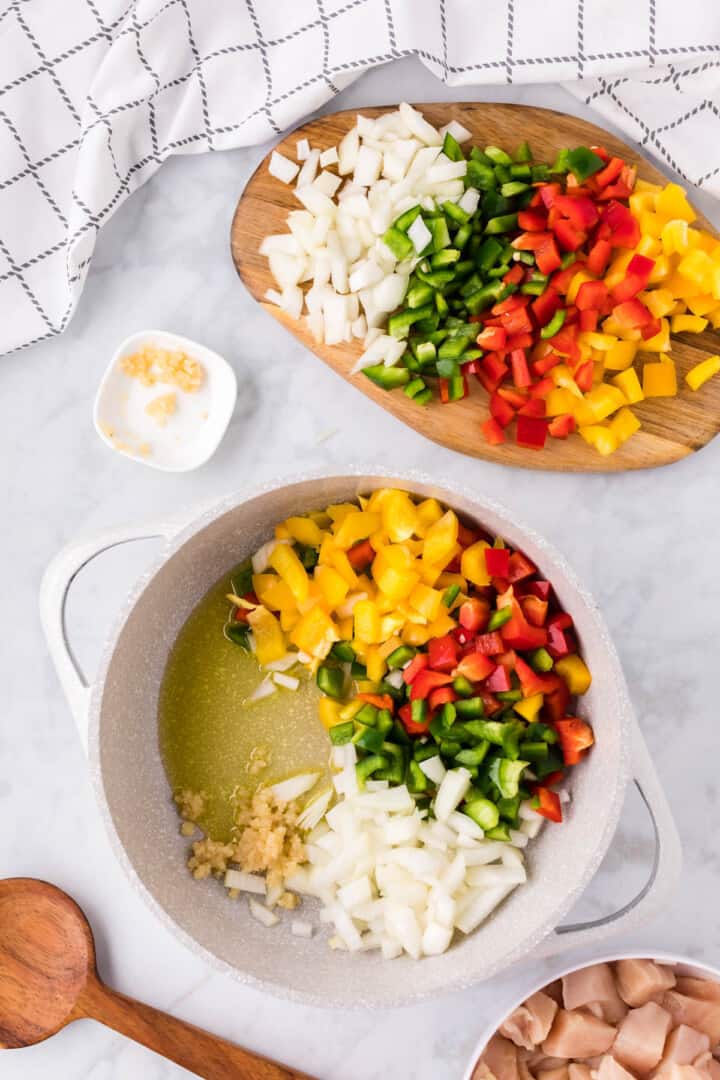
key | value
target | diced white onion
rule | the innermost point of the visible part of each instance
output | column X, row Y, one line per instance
column 470, row 200
column 433, row 768
column 282, row 168
column 251, row 883
column 295, row 786
column 302, row 147
column 301, row 929
column 329, row 157
column 418, row 125
column 309, row 169
column 265, row 689
column 419, row 234
column 261, row 913
column 328, row 183
column 456, row 129
column 289, row 682
column 451, row 792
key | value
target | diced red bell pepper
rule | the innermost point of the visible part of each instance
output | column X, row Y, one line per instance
column 546, row 363
column 499, row 681
column 241, row 614
column 490, row 644
column 611, row 172
column 650, row 329
column 522, row 340
column 443, row 653
column 530, row 681
column 548, row 193
column 443, row 695
column 545, row 306
column 514, row 275
column 380, row 701
column 591, row 294
column 548, row 803
column 556, row 702
column 547, row 256
column 562, row 426
column 445, row 391
column 568, row 236
column 601, row 152
column 488, row 384
column 557, row 644
column 599, row 257
column 531, row 432
column 410, row 725
column 636, row 278
column 491, row 338
column 492, row 431
column 534, row 609
column 533, row 407
column 495, row 366
column 418, row 663
column 624, row 230
column 474, row 613
column 517, row 398
column 519, row 634
column 490, row 702
column 360, row 555
column 475, row 667
column 517, row 300
column 501, row 410
column 516, row 322
column 541, row 389
column 453, row 567
column 464, row 637
column 565, row 342
column 467, row 536
column 562, row 279
column 554, row 778
column 531, row 241
column 426, row 681
column 584, row 376
column 632, row 314
column 578, row 209
column 588, row 320
column 576, row 736
column 532, row 221
column 520, row 567
column 562, row 619
column 520, row 370
column 497, row 561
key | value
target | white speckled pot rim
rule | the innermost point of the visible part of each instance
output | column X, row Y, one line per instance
column 458, row 975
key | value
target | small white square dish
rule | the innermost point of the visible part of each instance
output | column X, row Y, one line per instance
column 162, row 424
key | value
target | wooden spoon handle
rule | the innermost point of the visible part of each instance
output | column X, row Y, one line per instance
column 207, row 1055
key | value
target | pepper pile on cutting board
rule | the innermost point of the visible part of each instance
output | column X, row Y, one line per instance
column 550, row 293
column 435, row 645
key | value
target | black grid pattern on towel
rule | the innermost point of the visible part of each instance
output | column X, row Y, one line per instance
column 69, row 171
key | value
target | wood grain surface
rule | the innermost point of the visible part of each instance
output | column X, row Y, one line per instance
column 672, row 427
column 48, row 978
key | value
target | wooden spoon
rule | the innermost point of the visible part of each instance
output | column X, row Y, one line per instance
column 671, row 427
column 48, row 978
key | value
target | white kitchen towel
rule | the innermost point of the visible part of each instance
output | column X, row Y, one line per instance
column 95, row 94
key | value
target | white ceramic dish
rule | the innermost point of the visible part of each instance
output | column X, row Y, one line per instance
column 192, row 435
column 118, row 718
column 683, row 966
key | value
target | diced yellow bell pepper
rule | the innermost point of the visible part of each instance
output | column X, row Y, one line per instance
column 651, row 223
column 682, row 288
column 658, row 301
column 391, row 624
column 273, row 592
column 339, row 511
column 697, row 266
column 304, row 530
column 281, row 532
column 562, row 376
column 429, row 511
column 267, row 632
column 579, row 279
column 659, row 379
column 575, row 673
column 327, row 550
column 345, row 627
column 355, row 527
column 446, row 580
column 660, row 270
column 315, row 633
column 440, row 539
column 529, row 707
column 341, row 563
column 288, row 619
column 333, row 585
column 375, row 664
column 395, row 571
column 347, row 712
column 620, row 356
column 284, row 560
column 649, row 246
column 604, row 400
column 399, row 516
column 661, row 341
column 377, row 498
column 443, row 624
column 603, row 342
column 624, row 424
column 645, row 185
column 688, row 324
column 426, row 600
column 472, row 563
column 642, row 200
column 601, row 437
column 674, row 235
column 714, row 317
column 367, row 622
column 583, row 413
column 703, row 371
column 430, row 572
column 702, row 305
column 630, row 385
column 672, row 201
column 329, row 712
column 559, row 401
column 392, row 642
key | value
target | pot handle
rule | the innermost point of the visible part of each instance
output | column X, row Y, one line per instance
column 56, row 582
column 664, row 873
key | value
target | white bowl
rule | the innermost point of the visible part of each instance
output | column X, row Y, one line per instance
column 118, row 717
column 684, row 966
column 192, row 434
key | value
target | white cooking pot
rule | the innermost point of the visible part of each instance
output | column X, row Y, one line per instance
column 683, row 966
column 117, row 718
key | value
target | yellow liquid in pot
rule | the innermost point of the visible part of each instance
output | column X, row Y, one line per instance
column 209, row 730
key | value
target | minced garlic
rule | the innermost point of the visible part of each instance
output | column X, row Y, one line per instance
column 152, row 364
column 162, row 407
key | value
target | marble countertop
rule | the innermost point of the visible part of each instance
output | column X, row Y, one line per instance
column 645, row 543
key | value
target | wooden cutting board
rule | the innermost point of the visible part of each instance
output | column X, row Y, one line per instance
column 672, row 427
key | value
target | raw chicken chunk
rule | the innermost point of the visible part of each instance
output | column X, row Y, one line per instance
column 641, row 1038
column 610, row 1069
column 684, row 1072
column 683, row 1046
column 640, row 980
column 529, row 1025
column 558, row 1073
column 698, row 1013
column 500, row 1057
column 579, row 1072
column 578, row 1034
column 589, row 984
